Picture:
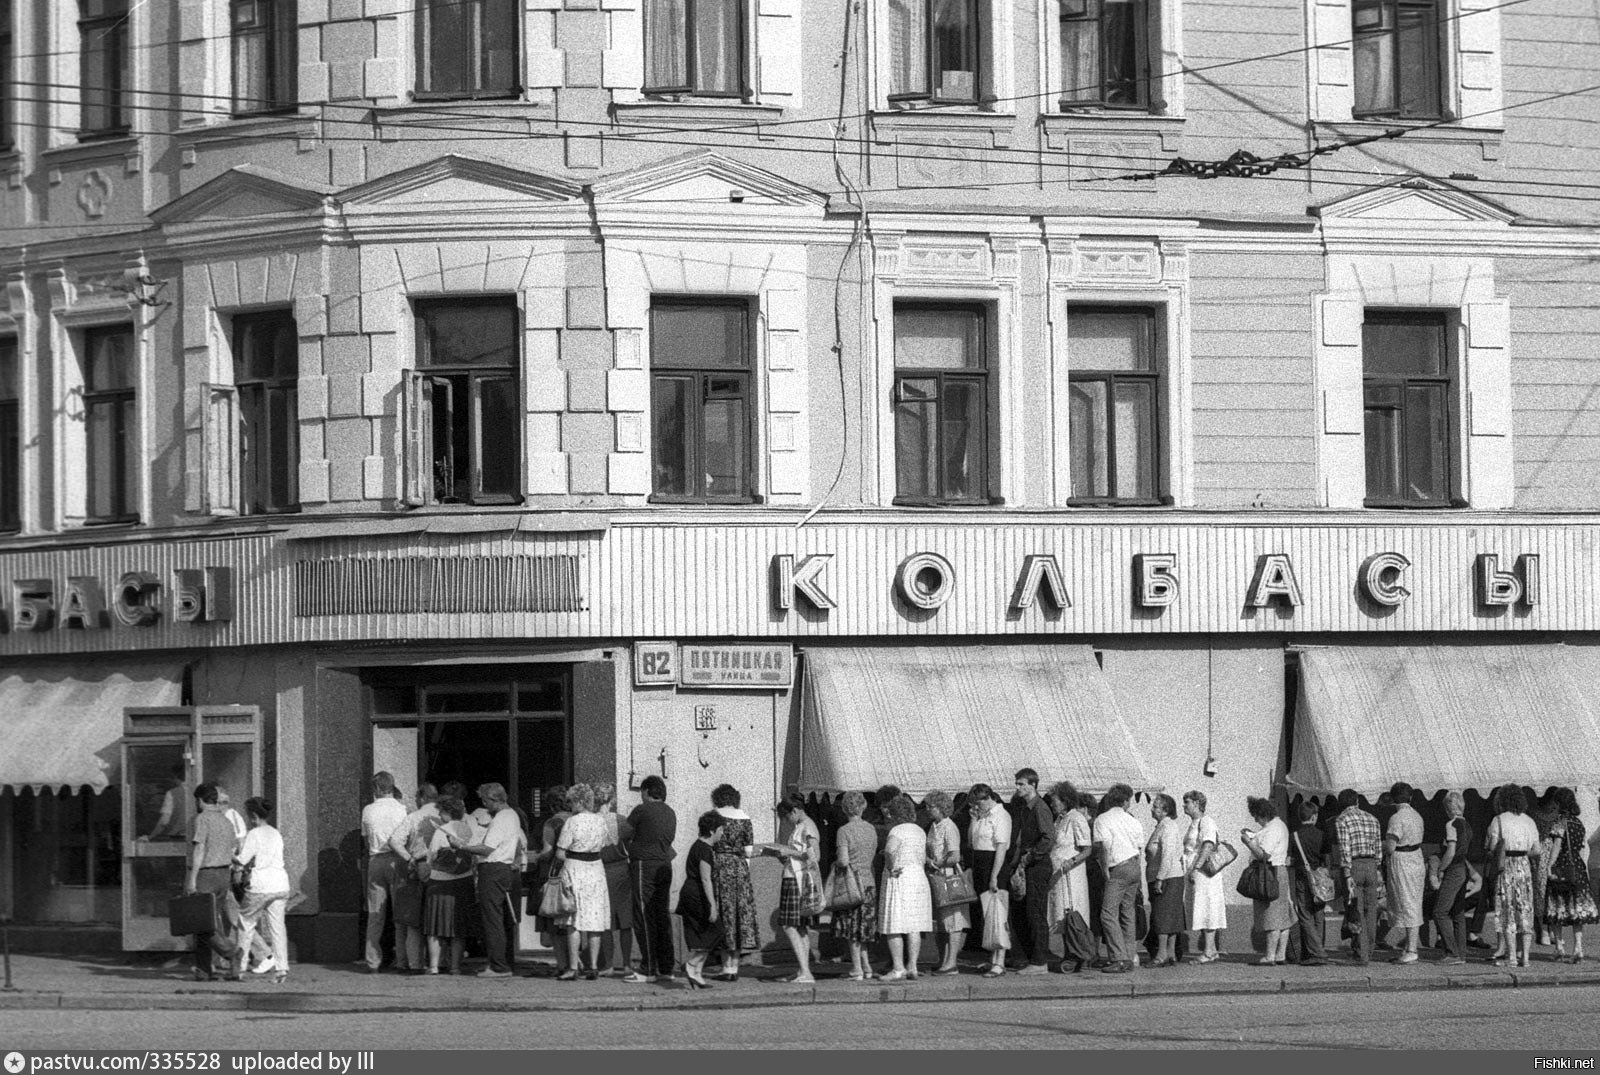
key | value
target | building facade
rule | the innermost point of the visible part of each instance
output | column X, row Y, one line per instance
column 785, row 394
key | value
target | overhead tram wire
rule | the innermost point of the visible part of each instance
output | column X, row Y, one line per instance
column 926, row 110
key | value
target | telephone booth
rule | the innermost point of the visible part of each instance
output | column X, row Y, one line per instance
column 166, row 753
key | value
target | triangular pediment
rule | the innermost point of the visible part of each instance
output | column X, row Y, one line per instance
column 240, row 193
column 705, row 177
column 1416, row 201
column 458, row 180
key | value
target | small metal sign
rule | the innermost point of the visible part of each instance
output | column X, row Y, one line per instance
column 655, row 664
column 759, row 666
column 705, row 718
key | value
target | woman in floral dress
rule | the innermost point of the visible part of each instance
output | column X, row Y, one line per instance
column 578, row 856
column 1568, row 900
column 736, row 898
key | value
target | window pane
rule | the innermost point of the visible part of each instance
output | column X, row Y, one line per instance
column 914, row 415
column 938, row 339
column 666, row 44
column 541, row 759
column 10, row 384
column 1123, row 27
column 725, row 453
column 100, row 431
column 110, row 358
column 283, row 460
column 955, row 50
column 1419, row 62
column 1135, row 417
column 497, row 436
column 439, row 397
column 250, row 62
column 443, row 45
column 1080, row 59
column 1373, row 56
column 468, row 334
column 670, row 434
column 717, row 46
column 495, row 39
column 1427, row 434
column 1383, row 448
column 1090, row 440
column 103, row 46
column 709, row 336
column 908, row 47
column 1403, row 348
column 10, row 466
column 962, row 438
column 1120, row 340
column 129, row 477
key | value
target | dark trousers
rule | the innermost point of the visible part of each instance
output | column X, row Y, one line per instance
column 1031, row 929
column 652, row 915
column 496, row 881
column 1117, row 915
column 1305, row 940
column 221, row 944
column 1362, row 906
column 1450, row 911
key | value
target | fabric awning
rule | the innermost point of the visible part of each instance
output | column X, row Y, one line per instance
column 61, row 729
column 927, row 718
column 1441, row 717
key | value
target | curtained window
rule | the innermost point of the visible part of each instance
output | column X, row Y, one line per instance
column 695, row 47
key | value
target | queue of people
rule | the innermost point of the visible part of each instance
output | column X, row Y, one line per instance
column 1052, row 869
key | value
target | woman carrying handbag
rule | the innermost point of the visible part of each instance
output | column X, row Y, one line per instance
column 951, row 919
column 855, row 845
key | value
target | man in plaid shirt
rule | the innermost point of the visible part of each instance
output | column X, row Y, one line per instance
column 1360, row 842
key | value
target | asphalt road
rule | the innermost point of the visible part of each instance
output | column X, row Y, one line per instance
column 1565, row 1018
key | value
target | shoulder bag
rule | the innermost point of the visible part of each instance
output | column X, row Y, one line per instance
column 1221, row 857
column 239, row 877
column 557, row 898
column 1259, row 881
column 952, row 890
column 844, row 889
column 1318, row 879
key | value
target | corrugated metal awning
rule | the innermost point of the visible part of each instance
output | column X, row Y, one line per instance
column 1441, row 717
column 61, row 730
column 949, row 717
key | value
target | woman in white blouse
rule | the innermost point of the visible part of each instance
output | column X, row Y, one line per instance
column 1511, row 837
column 906, row 905
column 1270, row 844
column 1164, row 869
column 267, row 894
column 944, row 859
column 1204, row 899
column 989, row 837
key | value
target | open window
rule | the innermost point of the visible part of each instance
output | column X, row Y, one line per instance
column 467, row 49
column 1397, row 71
column 1116, row 394
column 103, row 68
column 266, row 359
column 1105, row 54
column 461, row 404
column 111, row 425
column 1408, row 388
column 941, row 404
column 695, row 47
column 934, row 51
column 265, row 37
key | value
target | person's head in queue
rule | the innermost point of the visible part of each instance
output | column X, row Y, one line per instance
column 653, row 789
column 258, row 810
column 1027, row 784
column 493, row 797
column 710, row 824
column 725, row 795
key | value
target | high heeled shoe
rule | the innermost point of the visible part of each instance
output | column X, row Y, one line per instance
column 697, row 983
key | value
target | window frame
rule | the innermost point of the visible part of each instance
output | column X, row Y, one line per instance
column 982, row 374
column 1436, row 43
column 931, row 70
column 701, row 377
column 1446, row 382
column 255, row 396
column 424, row 12
column 10, row 436
column 8, row 72
column 125, row 429
column 1142, row 49
column 690, row 56
column 425, row 379
column 1156, row 377
column 114, row 25
column 281, row 29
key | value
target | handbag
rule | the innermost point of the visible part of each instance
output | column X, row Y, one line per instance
column 1318, row 879
column 1259, row 881
column 844, row 889
column 239, row 877
column 195, row 912
column 1221, row 857
column 557, row 899
column 996, row 921
column 1019, row 883
column 952, row 890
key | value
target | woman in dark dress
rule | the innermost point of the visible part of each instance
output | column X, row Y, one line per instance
column 736, row 897
column 1568, row 900
column 698, row 905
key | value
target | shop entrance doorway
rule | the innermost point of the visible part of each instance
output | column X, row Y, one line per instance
column 505, row 724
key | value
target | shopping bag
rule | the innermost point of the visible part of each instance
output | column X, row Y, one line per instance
column 844, row 889
column 952, row 890
column 1259, row 881
column 996, row 920
column 408, row 903
column 1077, row 939
column 557, row 899
column 196, row 912
column 813, row 900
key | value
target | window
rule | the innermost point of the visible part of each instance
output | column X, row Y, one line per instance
column 264, row 55
column 7, row 73
column 1105, row 54
column 103, row 66
column 466, row 401
column 467, row 48
column 10, row 437
column 700, row 400
column 1396, row 57
column 695, row 47
column 941, row 403
column 266, row 369
column 111, row 424
column 934, row 51
column 1115, row 412
column 1406, row 376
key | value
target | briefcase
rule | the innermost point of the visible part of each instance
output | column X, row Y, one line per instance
column 197, row 912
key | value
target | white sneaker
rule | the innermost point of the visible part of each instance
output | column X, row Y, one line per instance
column 266, row 966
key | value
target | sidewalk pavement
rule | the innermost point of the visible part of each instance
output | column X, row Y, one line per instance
column 142, row 983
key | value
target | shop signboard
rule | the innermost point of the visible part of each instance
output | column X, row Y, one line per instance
column 761, row 666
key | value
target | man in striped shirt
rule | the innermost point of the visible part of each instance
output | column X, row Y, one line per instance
column 1359, row 844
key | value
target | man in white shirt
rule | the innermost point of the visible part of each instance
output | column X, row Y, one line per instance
column 1119, row 841
column 410, row 841
column 500, row 854
column 385, row 869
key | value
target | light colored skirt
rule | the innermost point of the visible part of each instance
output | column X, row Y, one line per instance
column 905, row 904
column 593, row 896
column 1206, row 902
column 1406, row 875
